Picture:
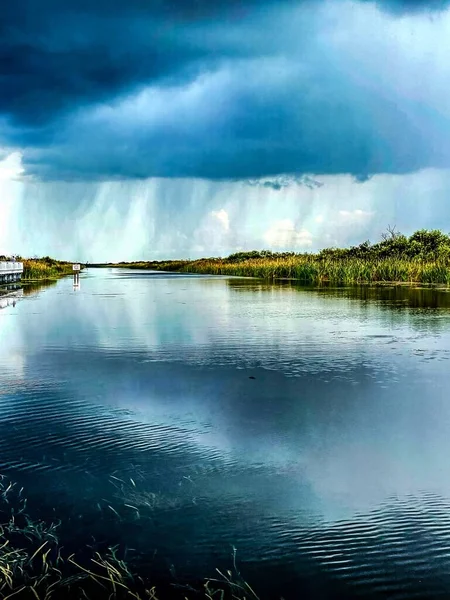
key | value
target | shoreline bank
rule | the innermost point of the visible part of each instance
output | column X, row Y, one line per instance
column 422, row 258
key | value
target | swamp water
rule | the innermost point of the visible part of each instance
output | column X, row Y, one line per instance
column 181, row 416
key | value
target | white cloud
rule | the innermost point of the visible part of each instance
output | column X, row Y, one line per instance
column 11, row 189
column 221, row 216
column 213, row 233
column 11, row 166
column 283, row 234
column 355, row 216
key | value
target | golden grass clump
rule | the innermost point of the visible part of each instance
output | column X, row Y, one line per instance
column 35, row 269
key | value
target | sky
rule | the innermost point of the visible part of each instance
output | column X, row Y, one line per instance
column 152, row 129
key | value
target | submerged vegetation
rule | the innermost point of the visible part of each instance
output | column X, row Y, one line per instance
column 423, row 257
column 35, row 565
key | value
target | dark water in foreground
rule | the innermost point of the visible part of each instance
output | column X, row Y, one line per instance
column 310, row 429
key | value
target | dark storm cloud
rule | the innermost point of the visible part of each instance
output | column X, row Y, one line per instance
column 55, row 55
column 62, row 63
column 411, row 5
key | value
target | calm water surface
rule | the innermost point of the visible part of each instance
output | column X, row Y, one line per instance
column 309, row 429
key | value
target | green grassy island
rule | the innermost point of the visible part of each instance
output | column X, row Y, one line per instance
column 423, row 257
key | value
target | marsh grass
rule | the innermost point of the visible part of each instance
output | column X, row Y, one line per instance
column 423, row 257
column 46, row 268
column 34, row 565
column 312, row 269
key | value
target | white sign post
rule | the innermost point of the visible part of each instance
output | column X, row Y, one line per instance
column 76, row 275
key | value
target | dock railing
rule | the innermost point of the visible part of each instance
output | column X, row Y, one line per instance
column 7, row 267
column 10, row 270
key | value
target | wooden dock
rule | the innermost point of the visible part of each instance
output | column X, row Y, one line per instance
column 10, row 271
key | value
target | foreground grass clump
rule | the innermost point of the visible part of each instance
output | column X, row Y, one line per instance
column 34, row 565
column 423, row 257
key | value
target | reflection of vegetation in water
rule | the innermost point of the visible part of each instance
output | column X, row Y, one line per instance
column 393, row 296
column 33, row 564
column 397, row 297
column 13, row 293
column 423, row 257
column 6, row 290
column 31, row 287
column 422, row 309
